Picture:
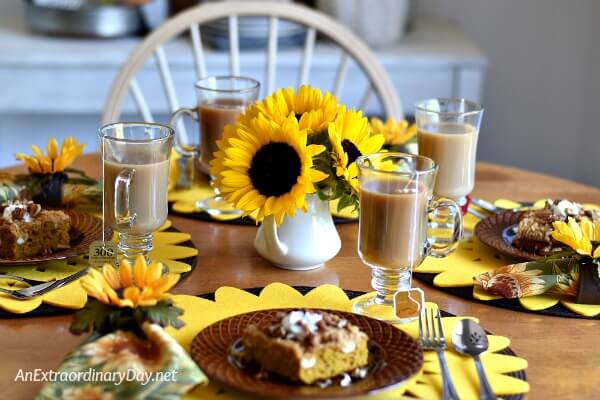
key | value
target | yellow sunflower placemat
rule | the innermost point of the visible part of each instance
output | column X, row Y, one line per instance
column 454, row 274
column 504, row 369
column 171, row 248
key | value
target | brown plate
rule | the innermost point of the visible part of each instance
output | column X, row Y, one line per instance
column 90, row 228
column 494, row 232
column 402, row 358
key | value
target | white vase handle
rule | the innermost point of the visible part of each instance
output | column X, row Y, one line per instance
column 275, row 246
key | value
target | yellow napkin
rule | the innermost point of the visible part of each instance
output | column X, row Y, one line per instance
column 199, row 313
column 166, row 250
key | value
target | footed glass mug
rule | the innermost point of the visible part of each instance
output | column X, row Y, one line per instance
column 135, row 158
column 447, row 132
column 220, row 100
column 396, row 205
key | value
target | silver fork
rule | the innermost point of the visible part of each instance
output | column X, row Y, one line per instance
column 37, row 290
column 27, row 281
column 434, row 339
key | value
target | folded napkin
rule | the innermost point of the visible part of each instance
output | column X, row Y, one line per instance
column 121, row 365
column 565, row 277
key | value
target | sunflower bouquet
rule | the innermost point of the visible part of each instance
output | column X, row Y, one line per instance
column 129, row 309
column 291, row 145
column 574, row 272
column 49, row 173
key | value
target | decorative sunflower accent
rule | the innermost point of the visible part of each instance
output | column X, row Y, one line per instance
column 55, row 161
column 579, row 236
column 396, row 133
column 265, row 167
column 126, row 297
column 142, row 285
column 52, row 181
column 313, row 110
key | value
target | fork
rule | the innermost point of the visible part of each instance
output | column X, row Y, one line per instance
column 27, row 281
column 37, row 290
column 434, row 339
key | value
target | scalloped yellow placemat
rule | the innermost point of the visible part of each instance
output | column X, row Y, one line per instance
column 472, row 258
column 229, row 301
column 167, row 249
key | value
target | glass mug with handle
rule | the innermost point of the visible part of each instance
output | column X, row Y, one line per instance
column 135, row 159
column 220, row 100
column 447, row 132
column 396, row 207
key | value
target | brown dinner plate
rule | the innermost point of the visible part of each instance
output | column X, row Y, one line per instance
column 87, row 226
column 497, row 231
column 398, row 358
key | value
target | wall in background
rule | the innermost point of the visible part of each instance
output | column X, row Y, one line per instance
column 541, row 84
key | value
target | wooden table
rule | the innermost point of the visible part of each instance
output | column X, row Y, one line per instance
column 563, row 354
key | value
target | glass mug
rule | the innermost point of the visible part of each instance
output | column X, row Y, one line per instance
column 135, row 159
column 447, row 132
column 220, row 100
column 396, row 205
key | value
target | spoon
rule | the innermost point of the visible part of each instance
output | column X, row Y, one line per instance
column 469, row 338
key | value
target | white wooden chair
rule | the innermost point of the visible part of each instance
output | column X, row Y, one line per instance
column 352, row 48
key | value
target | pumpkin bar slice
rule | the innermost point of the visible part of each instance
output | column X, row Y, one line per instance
column 306, row 346
column 27, row 230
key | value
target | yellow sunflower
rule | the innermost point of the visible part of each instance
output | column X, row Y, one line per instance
column 55, row 161
column 265, row 167
column 351, row 138
column 313, row 110
column 141, row 285
column 578, row 236
column 394, row 132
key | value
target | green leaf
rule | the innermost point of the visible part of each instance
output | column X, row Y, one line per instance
column 92, row 317
column 164, row 313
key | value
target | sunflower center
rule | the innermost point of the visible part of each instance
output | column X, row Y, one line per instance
column 351, row 150
column 275, row 169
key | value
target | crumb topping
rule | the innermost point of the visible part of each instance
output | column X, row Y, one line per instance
column 311, row 329
column 20, row 211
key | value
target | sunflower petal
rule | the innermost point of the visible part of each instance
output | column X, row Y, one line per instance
column 125, row 273
column 165, row 283
column 153, row 273
column 139, row 271
column 132, row 294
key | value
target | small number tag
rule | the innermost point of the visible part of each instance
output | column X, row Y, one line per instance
column 102, row 252
column 409, row 303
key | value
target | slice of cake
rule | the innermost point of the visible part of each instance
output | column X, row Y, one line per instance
column 27, row 230
column 307, row 346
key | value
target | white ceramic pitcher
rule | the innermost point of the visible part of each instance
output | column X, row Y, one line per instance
column 302, row 242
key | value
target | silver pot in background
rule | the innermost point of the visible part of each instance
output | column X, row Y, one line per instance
column 380, row 23
column 86, row 20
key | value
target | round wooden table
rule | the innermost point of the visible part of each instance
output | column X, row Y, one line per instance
column 563, row 354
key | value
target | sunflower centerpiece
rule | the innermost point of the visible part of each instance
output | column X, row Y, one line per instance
column 49, row 173
column 127, row 310
column 283, row 161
